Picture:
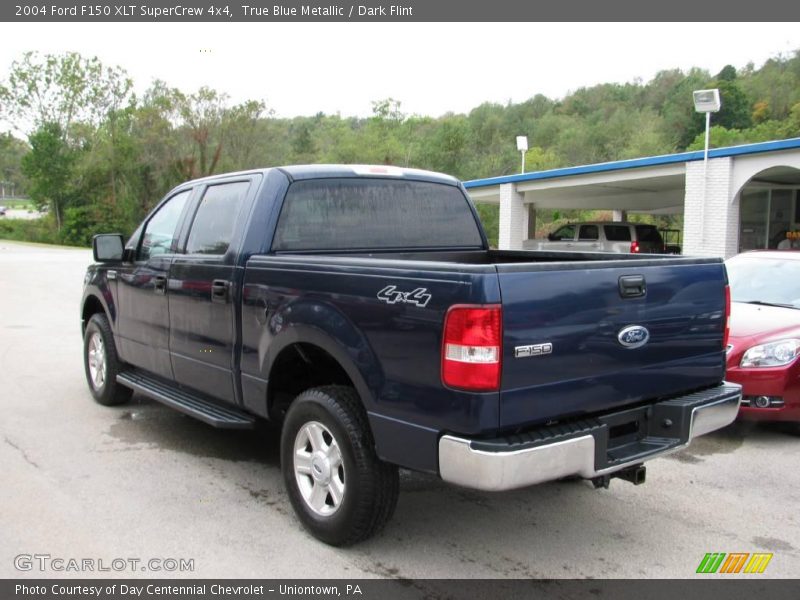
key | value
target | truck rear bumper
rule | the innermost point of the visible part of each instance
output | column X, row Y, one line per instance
column 590, row 447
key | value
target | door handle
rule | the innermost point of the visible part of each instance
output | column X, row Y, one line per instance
column 219, row 290
column 160, row 284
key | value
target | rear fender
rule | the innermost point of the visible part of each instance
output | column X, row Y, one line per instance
column 323, row 325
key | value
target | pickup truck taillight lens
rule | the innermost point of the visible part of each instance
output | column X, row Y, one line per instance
column 727, row 333
column 471, row 352
column 635, row 248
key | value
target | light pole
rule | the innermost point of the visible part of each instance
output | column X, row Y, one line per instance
column 705, row 101
column 522, row 146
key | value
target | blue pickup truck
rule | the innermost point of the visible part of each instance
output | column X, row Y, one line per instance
column 363, row 309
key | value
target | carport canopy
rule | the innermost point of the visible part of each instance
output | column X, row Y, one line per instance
column 705, row 192
column 640, row 185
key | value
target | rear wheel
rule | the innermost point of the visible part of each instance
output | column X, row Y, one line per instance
column 102, row 364
column 341, row 491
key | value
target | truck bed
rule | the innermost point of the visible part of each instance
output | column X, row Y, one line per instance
column 571, row 301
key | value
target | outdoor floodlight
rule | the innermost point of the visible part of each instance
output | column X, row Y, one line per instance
column 522, row 146
column 706, row 101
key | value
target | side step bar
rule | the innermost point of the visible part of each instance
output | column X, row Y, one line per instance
column 216, row 415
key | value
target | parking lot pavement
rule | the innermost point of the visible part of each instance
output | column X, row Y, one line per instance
column 21, row 213
column 141, row 481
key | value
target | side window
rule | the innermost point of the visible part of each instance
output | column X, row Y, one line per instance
column 618, row 233
column 159, row 233
column 565, row 233
column 212, row 229
column 588, row 233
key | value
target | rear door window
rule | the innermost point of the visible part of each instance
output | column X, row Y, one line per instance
column 588, row 233
column 364, row 213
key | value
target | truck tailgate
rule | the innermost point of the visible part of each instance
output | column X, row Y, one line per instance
column 564, row 349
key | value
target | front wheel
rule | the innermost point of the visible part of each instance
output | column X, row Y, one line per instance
column 102, row 364
column 341, row 491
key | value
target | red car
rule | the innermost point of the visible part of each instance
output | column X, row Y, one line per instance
column 764, row 343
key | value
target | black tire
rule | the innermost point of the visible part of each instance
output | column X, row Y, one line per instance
column 108, row 392
column 370, row 486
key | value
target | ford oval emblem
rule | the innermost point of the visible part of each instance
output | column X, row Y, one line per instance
column 633, row 336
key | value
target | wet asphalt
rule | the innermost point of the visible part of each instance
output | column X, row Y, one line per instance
column 144, row 482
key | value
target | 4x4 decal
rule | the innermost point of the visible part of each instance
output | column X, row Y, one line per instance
column 419, row 297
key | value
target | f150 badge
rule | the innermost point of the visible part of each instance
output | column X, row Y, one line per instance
column 419, row 297
column 533, row 350
column 633, row 336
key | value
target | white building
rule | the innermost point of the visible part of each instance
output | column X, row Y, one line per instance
column 745, row 197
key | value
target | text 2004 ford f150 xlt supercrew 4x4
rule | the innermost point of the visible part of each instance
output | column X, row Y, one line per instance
column 362, row 308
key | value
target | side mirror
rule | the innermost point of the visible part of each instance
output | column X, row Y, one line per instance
column 107, row 247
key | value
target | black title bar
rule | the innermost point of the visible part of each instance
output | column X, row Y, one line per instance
column 709, row 588
column 399, row 11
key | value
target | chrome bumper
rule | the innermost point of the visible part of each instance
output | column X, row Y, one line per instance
column 504, row 464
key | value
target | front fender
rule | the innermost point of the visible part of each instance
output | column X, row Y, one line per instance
column 97, row 288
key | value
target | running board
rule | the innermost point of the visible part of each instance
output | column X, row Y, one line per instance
column 216, row 415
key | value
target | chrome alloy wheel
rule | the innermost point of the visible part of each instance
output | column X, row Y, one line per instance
column 97, row 361
column 319, row 469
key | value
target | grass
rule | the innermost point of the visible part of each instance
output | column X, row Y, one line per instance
column 29, row 230
column 19, row 203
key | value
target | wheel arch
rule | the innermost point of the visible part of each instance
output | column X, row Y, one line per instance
column 92, row 305
column 305, row 357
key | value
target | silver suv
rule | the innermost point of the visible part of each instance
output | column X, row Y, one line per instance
column 602, row 236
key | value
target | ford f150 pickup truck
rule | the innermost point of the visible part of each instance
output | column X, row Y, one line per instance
column 363, row 310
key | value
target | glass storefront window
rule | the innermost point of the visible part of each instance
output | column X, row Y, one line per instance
column 753, row 219
column 765, row 217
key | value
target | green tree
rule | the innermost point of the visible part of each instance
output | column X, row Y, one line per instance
column 383, row 133
column 48, row 167
column 61, row 89
column 735, row 112
column 11, row 152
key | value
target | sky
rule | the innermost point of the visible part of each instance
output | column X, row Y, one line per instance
column 431, row 68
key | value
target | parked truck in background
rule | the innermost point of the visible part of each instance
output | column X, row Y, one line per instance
column 363, row 310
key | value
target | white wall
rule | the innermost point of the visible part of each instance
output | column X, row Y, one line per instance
column 710, row 228
column 513, row 218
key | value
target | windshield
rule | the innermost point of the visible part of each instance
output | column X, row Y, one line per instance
column 764, row 280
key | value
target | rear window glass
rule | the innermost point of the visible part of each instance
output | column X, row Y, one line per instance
column 588, row 232
column 331, row 214
column 618, row 233
column 648, row 233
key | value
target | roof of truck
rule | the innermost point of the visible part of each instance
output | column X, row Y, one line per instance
column 321, row 171
column 299, row 172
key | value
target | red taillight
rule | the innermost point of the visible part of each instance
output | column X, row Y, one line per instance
column 727, row 333
column 634, row 247
column 471, row 350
